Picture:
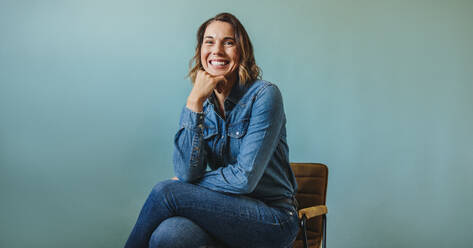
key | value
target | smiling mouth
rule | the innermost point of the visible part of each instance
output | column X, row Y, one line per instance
column 219, row 62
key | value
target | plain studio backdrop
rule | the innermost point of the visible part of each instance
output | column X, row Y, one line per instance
column 380, row 91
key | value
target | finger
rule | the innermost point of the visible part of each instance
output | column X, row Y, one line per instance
column 221, row 79
column 200, row 72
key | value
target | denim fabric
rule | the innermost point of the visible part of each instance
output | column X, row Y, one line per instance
column 245, row 152
column 217, row 220
column 233, row 173
column 181, row 232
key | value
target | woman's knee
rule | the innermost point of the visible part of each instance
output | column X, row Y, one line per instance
column 179, row 232
column 168, row 230
column 164, row 187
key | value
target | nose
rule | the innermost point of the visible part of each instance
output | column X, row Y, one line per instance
column 217, row 49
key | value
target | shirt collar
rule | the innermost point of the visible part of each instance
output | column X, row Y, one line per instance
column 234, row 97
column 236, row 93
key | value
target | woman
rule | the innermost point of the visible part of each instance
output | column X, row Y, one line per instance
column 234, row 185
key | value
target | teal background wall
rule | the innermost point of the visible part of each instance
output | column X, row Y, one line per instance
column 380, row 91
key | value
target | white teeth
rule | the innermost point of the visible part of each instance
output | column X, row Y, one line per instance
column 217, row 62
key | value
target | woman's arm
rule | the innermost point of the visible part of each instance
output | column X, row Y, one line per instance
column 256, row 149
column 189, row 155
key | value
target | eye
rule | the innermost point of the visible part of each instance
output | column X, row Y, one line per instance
column 229, row 43
column 208, row 42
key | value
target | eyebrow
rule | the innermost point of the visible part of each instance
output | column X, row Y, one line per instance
column 225, row 38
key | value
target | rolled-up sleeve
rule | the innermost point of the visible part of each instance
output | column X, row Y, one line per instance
column 189, row 154
column 256, row 149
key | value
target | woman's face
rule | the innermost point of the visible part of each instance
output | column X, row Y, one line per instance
column 219, row 53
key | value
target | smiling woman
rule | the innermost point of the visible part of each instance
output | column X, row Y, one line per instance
column 248, row 71
column 219, row 55
column 234, row 185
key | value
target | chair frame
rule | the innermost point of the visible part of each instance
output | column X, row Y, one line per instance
column 312, row 212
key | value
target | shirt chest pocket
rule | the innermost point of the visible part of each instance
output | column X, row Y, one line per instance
column 209, row 131
column 236, row 132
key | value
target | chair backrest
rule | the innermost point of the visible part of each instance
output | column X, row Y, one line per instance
column 312, row 190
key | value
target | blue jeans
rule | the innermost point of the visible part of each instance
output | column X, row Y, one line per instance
column 179, row 214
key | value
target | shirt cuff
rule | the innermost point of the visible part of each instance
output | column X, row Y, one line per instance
column 191, row 120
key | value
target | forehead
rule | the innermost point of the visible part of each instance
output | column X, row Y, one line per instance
column 218, row 29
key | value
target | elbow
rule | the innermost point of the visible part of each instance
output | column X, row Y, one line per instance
column 243, row 182
column 246, row 190
column 187, row 177
column 185, row 173
column 247, row 187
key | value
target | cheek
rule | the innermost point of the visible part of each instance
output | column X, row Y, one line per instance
column 235, row 56
column 236, row 59
column 203, row 58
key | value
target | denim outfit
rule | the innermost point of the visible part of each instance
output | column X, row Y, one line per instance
column 235, row 182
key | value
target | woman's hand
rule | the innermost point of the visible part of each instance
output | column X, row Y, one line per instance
column 203, row 87
column 175, row 178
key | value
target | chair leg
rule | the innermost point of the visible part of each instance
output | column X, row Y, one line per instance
column 324, row 231
column 304, row 231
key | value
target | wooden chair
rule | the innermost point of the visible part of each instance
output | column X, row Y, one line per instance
column 311, row 194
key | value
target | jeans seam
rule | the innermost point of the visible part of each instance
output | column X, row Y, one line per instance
column 238, row 216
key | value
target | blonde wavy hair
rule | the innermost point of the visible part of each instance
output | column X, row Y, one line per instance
column 248, row 71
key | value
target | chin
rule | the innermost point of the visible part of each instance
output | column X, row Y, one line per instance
column 218, row 73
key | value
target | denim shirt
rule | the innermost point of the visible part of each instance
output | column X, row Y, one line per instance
column 244, row 153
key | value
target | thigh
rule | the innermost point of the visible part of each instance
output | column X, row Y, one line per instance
column 180, row 232
column 237, row 220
